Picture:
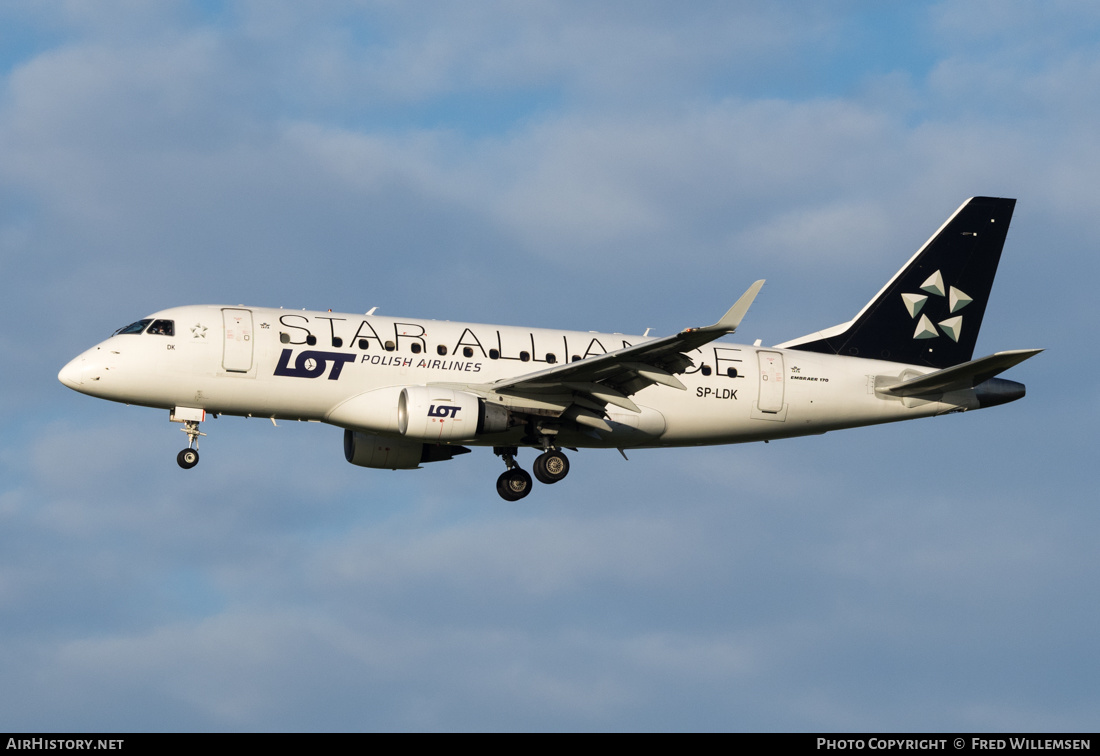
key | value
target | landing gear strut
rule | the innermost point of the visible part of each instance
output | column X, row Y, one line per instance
column 189, row 457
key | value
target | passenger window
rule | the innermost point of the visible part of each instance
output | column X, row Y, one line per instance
column 137, row 327
column 163, row 328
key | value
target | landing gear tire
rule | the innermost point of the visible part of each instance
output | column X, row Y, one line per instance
column 187, row 458
column 514, row 484
column 551, row 467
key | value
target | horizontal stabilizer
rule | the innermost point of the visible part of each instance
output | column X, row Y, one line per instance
column 964, row 376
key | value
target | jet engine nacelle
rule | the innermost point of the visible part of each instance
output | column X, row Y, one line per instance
column 441, row 414
column 388, row 453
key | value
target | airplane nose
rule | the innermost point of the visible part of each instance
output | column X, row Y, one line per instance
column 72, row 375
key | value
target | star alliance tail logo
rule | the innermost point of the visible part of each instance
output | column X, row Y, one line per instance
column 956, row 300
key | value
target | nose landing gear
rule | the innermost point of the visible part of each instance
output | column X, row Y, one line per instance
column 189, row 457
column 190, row 417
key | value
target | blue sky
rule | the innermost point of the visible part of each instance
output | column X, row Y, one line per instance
column 610, row 166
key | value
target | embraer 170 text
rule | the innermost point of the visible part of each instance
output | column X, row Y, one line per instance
column 408, row 391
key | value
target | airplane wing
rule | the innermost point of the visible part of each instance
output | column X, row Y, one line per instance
column 581, row 390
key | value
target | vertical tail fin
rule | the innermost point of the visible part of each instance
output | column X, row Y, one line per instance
column 930, row 311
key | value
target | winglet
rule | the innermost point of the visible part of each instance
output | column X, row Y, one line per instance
column 732, row 318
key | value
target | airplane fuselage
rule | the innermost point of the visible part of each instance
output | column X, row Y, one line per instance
column 304, row 365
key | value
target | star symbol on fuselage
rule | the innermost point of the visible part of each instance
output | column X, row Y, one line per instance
column 198, row 331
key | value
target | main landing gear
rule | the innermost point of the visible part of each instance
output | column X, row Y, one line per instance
column 551, row 466
column 515, row 482
column 189, row 457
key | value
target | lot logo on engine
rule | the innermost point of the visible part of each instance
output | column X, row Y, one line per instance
column 443, row 410
column 311, row 364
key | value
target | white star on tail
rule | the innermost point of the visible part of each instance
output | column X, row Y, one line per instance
column 956, row 300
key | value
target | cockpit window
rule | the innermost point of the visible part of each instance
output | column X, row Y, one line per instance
column 163, row 328
column 137, row 327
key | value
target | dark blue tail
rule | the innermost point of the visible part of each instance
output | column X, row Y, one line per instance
column 930, row 312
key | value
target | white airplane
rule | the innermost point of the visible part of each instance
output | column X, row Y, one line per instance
column 408, row 391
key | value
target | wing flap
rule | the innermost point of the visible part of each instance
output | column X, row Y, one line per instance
column 604, row 394
column 587, row 418
column 655, row 375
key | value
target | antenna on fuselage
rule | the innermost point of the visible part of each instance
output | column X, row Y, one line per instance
column 371, row 310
